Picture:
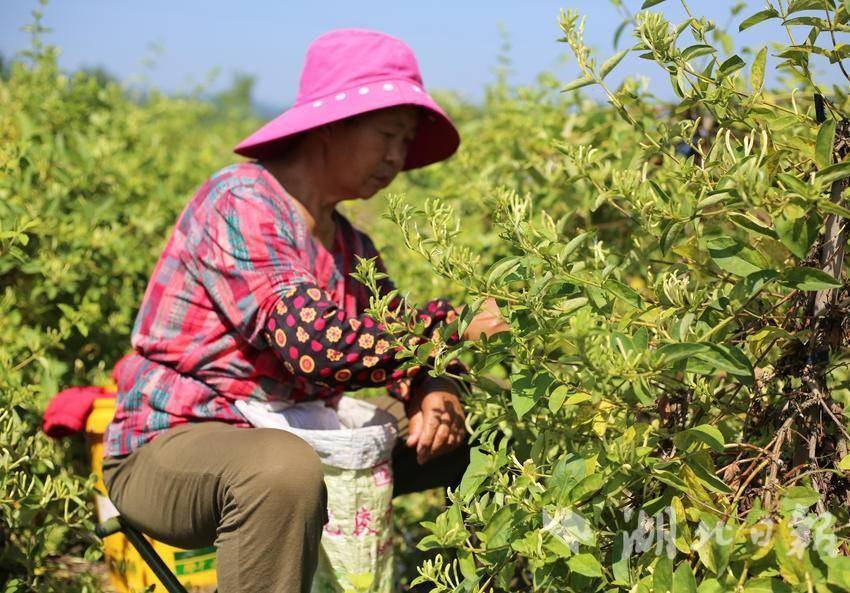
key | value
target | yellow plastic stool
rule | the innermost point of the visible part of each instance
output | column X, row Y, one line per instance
column 129, row 573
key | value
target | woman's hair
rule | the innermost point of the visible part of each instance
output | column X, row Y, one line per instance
column 281, row 149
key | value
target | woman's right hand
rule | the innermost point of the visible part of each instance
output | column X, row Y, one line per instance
column 488, row 321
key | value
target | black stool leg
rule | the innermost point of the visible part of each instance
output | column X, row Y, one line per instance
column 145, row 550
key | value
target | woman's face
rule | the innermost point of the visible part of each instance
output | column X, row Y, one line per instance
column 367, row 152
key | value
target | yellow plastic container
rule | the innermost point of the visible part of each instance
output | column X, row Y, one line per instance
column 128, row 572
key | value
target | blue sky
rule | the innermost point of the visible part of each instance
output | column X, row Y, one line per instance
column 176, row 44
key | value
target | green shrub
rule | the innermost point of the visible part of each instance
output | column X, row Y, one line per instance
column 91, row 182
column 667, row 410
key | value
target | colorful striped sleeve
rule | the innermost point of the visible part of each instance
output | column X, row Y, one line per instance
column 246, row 255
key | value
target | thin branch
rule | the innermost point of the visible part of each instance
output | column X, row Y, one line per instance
column 832, row 35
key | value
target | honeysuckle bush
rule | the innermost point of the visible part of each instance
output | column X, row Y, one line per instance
column 667, row 410
column 92, row 179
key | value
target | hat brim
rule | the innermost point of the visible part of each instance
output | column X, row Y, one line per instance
column 436, row 136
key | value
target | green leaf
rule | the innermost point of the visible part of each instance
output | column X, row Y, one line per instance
column 649, row 3
column 597, row 298
column 662, row 575
column 796, row 497
column 711, row 586
column 669, row 235
column 662, row 195
column 718, row 196
column 844, row 463
column 840, row 52
column 730, row 65
column 611, row 63
column 758, row 17
column 466, row 561
column 695, row 51
column 568, row 471
column 500, row 527
column 683, row 579
column 734, row 257
column 706, row 357
column 838, row 570
column 572, row 245
column 767, row 585
column 803, row 278
column 810, row 21
column 798, row 5
column 707, row 477
column 757, row 69
column 824, row 143
column 704, row 433
column 680, row 28
column 752, row 284
column 578, row 398
column 625, row 293
column 585, row 564
column 619, row 32
column 751, row 224
column 521, row 402
column 798, row 54
column 724, row 358
column 671, row 479
column 588, row 486
column 527, row 389
column 502, row 268
column 429, row 542
column 800, row 187
column 798, row 235
column 679, row 351
column 557, row 397
column 833, row 208
column 833, row 173
column 620, row 561
column 714, row 551
column 569, row 306
column 477, row 471
column 577, row 84
column 570, row 528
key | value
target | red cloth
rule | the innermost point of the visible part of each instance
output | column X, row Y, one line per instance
column 67, row 412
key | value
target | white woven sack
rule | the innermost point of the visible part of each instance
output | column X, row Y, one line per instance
column 355, row 443
column 357, row 435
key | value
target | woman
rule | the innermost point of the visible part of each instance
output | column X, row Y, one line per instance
column 252, row 298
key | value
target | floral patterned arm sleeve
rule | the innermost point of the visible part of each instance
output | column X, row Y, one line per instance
column 404, row 387
column 317, row 340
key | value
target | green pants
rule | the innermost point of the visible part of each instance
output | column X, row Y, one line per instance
column 257, row 494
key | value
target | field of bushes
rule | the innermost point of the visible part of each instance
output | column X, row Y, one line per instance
column 668, row 410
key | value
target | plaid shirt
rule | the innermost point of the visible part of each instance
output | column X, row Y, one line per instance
column 204, row 335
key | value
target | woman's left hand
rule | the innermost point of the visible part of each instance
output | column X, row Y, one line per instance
column 436, row 419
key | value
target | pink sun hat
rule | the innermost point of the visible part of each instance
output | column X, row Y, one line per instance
column 352, row 71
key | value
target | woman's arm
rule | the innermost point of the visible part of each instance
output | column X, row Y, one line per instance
column 248, row 255
column 317, row 340
column 406, row 388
